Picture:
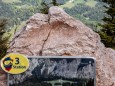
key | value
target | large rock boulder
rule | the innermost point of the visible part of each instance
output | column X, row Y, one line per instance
column 58, row 34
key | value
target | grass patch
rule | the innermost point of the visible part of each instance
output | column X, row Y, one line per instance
column 79, row 1
column 22, row 6
column 91, row 3
column 11, row 1
column 68, row 5
column 71, row 4
column 58, row 81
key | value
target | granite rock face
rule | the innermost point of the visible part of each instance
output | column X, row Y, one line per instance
column 3, row 78
column 58, row 34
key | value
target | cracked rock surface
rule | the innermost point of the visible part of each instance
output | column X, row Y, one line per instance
column 58, row 34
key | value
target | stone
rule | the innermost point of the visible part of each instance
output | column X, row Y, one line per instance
column 3, row 78
column 58, row 34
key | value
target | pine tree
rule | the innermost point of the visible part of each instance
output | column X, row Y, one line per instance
column 46, row 6
column 108, row 31
column 55, row 3
column 3, row 39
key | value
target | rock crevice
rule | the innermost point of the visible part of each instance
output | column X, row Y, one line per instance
column 41, row 51
column 58, row 34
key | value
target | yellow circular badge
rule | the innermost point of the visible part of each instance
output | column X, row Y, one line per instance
column 15, row 63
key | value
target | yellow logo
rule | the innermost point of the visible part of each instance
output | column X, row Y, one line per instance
column 15, row 63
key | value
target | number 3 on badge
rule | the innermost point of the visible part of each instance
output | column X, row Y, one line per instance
column 15, row 63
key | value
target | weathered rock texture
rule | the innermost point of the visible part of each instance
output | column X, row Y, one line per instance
column 3, row 79
column 58, row 34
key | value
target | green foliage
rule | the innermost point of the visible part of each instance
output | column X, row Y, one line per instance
column 107, row 40
column 91, row 16
column 46, row 5
column 44, row 8
column 20, row 10
column 54, row 2
column 3, row 39
column 108, row 31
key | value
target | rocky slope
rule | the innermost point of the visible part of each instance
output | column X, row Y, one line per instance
column 58, row 34
column 67, row 68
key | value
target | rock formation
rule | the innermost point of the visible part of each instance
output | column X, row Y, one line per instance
column 3, row 78
column 58, row 34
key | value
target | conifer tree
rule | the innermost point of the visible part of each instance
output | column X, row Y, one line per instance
column 46, row 6
column 3, row 39
column 108, row 31
column 55, row 3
